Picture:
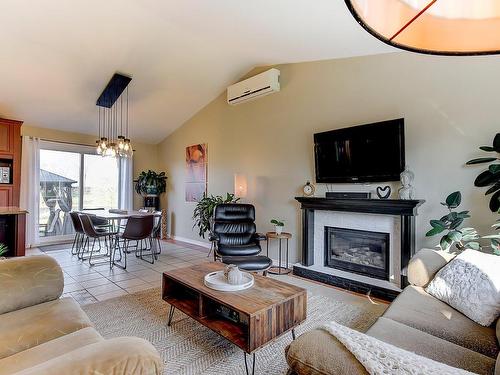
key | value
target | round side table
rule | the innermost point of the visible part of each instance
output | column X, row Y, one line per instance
column 279, row 269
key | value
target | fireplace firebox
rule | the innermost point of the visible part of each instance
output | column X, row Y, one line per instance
column 358, row 251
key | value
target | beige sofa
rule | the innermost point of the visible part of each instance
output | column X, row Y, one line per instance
column 415, row 321
column 43, row 334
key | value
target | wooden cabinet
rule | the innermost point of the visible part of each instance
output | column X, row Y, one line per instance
column 5, row 137
column 5, row 196
column 10, row 154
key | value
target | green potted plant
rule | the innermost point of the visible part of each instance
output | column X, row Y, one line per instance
column 490, row 177
column 278, row 225
column 204, row 210
column 150, row 185
column 450, row 224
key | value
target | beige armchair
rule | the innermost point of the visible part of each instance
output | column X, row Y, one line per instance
column 41, row 333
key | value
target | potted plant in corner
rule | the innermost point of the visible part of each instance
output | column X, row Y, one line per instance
column 150, row 185
column 204, row 211
column 278, row 225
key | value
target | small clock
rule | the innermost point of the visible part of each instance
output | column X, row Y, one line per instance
column 308, row 189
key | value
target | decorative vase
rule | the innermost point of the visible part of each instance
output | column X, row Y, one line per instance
column 233, row 274
column 278, row 229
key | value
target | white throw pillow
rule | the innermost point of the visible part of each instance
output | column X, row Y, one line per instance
column 470, row 283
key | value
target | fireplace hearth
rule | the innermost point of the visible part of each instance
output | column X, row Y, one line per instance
column 358, row 251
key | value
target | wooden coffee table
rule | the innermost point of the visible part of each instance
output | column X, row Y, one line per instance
column 249, row 319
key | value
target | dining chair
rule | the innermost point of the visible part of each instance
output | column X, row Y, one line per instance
column 91, row 232
column 138, row 229
column 79, row 233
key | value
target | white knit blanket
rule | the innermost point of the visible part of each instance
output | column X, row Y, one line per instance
column 381, row 358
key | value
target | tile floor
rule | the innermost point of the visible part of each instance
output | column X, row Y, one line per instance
column 97, row 283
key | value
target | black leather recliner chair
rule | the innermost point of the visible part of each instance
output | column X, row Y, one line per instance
column 236, row 239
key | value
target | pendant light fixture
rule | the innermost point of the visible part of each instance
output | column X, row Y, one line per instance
column 439, row 27
column 113, row 119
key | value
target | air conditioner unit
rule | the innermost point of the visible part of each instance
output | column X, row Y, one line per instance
column 255, row 87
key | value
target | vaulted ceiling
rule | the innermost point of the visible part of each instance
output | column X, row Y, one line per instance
column 56, row 56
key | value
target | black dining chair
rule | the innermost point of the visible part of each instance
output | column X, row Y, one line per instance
column 96, row 235
column 138, row 229
column 79, row 233
column 235, row 237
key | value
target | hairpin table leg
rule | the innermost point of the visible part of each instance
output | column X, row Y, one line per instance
column 170, row 315
column 253, row 364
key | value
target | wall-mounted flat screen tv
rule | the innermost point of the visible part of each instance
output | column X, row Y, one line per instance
column 365, row 153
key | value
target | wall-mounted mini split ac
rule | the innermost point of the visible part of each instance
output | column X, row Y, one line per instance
column 262, row 84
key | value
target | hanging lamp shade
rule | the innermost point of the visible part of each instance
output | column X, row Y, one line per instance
column 441, row 27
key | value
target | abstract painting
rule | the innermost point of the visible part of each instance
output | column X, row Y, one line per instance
column 196, row 172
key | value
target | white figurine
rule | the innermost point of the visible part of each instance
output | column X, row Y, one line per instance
column 407, row 191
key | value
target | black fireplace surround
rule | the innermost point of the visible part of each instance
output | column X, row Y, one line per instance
column 358, row 251
column 405, row 209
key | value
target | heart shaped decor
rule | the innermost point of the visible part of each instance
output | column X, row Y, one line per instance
column 383, row 192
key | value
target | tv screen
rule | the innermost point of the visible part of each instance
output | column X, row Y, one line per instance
column 366, row 153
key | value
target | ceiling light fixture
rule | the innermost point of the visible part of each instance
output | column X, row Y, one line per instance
column 113, row 119
column 438, row 27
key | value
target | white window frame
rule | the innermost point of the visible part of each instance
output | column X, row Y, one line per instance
column 82, row 150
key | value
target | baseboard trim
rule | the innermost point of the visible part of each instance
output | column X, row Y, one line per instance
column 191, row 241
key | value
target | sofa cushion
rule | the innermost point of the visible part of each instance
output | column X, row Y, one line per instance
column 429, row 346
column 29, row 281
column 48, row 350
column 118, row 356
column 317, row 353
column 31, row 326
column 417, row 309
column 425, row 264
column 471, row 284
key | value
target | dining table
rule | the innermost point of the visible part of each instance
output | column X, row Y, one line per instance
column 115, row 215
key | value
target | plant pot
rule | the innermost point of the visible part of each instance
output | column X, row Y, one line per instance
column 151, row 190
column 278, row 229
column 152, row 201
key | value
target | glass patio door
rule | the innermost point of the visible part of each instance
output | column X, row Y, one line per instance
column 72, row 177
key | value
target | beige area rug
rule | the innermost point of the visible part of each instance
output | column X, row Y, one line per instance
column 187, row 347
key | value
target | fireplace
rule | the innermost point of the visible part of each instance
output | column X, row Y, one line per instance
column 358, row 251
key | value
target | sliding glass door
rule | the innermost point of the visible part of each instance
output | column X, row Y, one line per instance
column 72, row 177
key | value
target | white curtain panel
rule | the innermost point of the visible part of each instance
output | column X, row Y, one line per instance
column 126, row 185
column 30, row 187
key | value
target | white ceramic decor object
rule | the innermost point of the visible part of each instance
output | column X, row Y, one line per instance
column 217, row 281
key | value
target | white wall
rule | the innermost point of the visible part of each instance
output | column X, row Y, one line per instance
column 450, row 105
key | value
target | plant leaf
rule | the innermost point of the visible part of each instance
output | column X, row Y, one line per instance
column 454, row 199
column 484, row 179
column 445, row 243
column 493, row 189
column 487, row 148
column 494, row 168
column 438, row 224
column 455, row 235
column 495, row 202
column 433, row 232
column 456, row 223
column 496, row 142
column 480, row 161
column 473, row 245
